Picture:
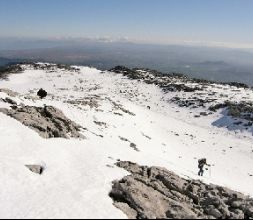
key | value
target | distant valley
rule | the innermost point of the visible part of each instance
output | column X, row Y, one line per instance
column 216, row 64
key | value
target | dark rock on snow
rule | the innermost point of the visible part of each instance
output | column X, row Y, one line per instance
column 35, row 169
column 9, row 101
column 6, row 70
column 164, row 81
column 242, row 110
column 42, row 93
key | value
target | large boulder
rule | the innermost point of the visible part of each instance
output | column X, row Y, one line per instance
column 38, row 169
column 42, row 93
column 48, row 122
column 154, row 192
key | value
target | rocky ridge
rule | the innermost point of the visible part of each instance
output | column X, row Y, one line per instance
column 199, row 94
column 5, row 71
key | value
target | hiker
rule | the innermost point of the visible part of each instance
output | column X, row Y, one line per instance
column 42, row 93
column 202, row 164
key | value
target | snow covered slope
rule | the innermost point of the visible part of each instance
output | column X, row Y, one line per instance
column 122, row 119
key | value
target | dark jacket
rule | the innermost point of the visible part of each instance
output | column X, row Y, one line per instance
column 202, row 163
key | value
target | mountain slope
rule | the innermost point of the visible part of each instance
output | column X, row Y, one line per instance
column 122, row 118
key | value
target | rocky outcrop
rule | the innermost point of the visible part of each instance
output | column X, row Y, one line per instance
column 51, row 67
column 202, row 95
column 47, row 121
column 93, row 102
column 158, row 193
column 37, row 169
column 242, row 110
column 238, row 85
column 6, row 70
column 9, row 101
column 168, row 82
column 193, row 102
column 163, row 79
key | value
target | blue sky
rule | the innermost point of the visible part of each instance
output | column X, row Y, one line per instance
column 158, row 21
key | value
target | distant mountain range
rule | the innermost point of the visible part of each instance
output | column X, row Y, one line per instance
column 215, row 64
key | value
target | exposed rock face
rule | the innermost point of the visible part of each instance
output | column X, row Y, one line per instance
column 47, row 121
column 158, row 193
column 35, row 169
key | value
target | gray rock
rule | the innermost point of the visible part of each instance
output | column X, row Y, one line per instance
column 10, row 101
column 35, row 169
column 211, row 200
column 131, row 213
column 211, row 210
column 224, row 210
column 154, row 192
column 249, row 211
column 238, row 214
column 237, row 204
column 134, row 146
column 48, row 122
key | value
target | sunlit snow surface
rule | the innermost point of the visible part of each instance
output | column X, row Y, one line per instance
column 79, row 173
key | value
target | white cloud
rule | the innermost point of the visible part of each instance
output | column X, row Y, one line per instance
column 193, row 42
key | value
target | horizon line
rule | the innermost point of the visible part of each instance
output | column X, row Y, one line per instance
column 108, row 39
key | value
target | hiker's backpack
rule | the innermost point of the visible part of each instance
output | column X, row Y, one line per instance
column 202, row 162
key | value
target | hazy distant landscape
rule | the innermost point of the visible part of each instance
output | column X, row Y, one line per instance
column 216, row 64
